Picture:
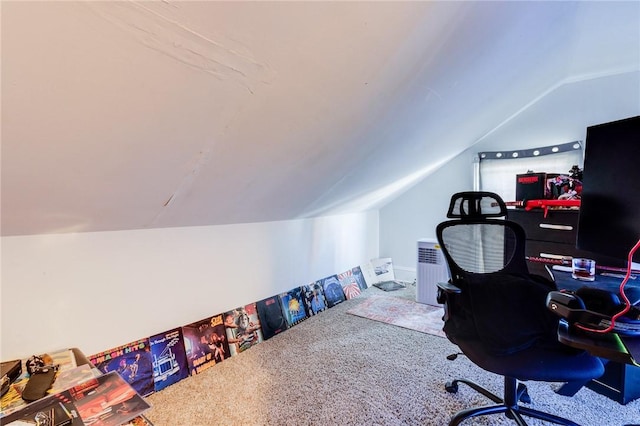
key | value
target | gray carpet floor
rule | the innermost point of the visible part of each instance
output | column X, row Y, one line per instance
column 340, row 369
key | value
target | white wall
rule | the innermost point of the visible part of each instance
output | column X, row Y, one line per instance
column 99, row 290
column 416, row 213
column 562, row 114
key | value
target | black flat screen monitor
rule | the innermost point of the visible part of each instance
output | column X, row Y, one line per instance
column 609, row 220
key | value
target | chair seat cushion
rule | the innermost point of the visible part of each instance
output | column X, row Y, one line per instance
column 553, row 363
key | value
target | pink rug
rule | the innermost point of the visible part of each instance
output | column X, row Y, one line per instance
column 402, row 313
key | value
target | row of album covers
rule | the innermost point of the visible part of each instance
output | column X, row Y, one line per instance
column 153, row 363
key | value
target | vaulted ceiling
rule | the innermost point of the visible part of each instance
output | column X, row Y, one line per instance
column 130, row 115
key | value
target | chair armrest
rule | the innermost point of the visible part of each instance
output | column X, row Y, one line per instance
column 449, row 288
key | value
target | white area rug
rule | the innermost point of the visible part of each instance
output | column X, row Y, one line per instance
column 402, row 313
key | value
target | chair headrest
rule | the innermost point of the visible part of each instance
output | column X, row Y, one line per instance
column 476, row 205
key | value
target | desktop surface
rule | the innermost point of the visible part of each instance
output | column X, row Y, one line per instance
column 607, row 345
column 621, row 381
column 606, row 281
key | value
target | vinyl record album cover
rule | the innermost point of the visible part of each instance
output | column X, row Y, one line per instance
column 132, row 361
column 169, row 358
column 107, row 400
column 332, row 291
column 272, row 319
column 293, row 306
column 243, row 328
column 352, row 282
column 205, row 342
column 314, row 299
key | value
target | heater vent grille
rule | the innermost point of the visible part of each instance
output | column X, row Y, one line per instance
column 431, row 256
column 431, row 270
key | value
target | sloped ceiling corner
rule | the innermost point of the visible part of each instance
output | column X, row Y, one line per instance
column 131, row 115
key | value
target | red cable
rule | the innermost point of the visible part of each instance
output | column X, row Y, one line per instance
column 627, row 306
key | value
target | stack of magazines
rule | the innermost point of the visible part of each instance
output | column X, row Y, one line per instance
column 106, row 400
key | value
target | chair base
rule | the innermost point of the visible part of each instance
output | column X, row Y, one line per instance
column 513, row 394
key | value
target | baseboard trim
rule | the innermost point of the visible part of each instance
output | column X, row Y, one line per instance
column 405, row 273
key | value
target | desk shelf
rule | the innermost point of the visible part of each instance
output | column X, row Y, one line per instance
column 621, row 379
column 554, row 234
column 620, row 382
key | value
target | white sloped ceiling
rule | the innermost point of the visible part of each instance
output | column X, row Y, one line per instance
column 130, row 115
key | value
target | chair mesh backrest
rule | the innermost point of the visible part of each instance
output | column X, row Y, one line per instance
column 479, row 247
column 499, row 302
column 479, row 240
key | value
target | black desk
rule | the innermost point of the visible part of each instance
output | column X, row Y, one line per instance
column 606, row 282
column 621, row 381
column 610, row 346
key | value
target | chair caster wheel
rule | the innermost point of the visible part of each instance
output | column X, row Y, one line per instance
column 451, row 387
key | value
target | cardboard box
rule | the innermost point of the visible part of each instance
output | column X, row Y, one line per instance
column 9, row 372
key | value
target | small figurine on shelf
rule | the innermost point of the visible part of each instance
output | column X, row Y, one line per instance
column 566, row 187
column 576, row 173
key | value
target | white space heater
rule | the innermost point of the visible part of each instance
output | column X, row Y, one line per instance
column 432, row 268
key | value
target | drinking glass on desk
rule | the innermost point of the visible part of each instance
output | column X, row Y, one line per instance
column 583, row 269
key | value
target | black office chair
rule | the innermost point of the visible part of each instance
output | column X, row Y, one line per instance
column 495, row 312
